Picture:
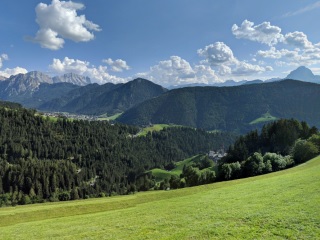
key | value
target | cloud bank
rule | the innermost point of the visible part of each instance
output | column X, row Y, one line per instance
column 97, row 74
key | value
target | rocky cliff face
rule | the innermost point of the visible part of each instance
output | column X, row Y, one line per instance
column 72, row 78
column 22, row 84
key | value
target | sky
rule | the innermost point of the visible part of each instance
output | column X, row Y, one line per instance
column 170, row 42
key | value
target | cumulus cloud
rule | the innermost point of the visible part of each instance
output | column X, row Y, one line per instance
column 263, row 33
column 118, row 65
column 306, row 55
column 177, row 71
column 217, row 53
column 59, row 21
column 244, row 69
column 273, row 53
column 221, row 56
column 12, row 71
column 97, row 74
column 298, row 39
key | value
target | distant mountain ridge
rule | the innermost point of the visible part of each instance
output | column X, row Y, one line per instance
column 108, row 98
column 72, row 78
column 230, row 108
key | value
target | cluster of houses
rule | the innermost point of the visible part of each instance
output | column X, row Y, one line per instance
column 216, row 156
column 69, row 115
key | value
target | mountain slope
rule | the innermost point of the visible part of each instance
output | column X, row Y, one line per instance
column 123, row 97
column 109, row 98
column 77, row 98
column 230, row 108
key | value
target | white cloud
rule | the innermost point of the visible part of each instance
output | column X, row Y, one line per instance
column 298, row 39
column 244, row 69
column 263, row 33
column 220, row 55
column 12, row 71
column 117, row 65
column 273, row 53
column 97, row 74
column 306, row 56
column 224, row 70
column 177, row 71
column 217, row 53
column 59, row 21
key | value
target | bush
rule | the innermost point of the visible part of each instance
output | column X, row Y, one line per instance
column 303, row 151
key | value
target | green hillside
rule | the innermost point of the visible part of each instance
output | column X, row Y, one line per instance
column 281, row 205
column 230, row 108
column 266, row 117
column 161, row 174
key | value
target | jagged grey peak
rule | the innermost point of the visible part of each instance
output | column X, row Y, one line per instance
column 72, row 78
column 26, row 83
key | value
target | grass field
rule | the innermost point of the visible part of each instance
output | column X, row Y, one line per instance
column 161, row 174
column 280, row 205
column 104, row 117
column 267, row 117
column 154, row 127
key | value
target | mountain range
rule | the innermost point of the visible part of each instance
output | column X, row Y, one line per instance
column 225, row 106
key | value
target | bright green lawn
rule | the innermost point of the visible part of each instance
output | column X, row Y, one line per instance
column 281, row 205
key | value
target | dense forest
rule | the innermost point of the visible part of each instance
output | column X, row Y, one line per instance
column 230, row 108
column 43, row 159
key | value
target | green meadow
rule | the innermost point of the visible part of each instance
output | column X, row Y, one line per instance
column 155, row 127
column 267, row 117
column 161, row 174
column 280, row 205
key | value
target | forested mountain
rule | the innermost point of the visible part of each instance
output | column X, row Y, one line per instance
column 230, row 108
column 42, row 159
column 76, row 99
column 108, row 98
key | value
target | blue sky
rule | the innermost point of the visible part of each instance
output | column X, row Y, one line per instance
column 170, row 42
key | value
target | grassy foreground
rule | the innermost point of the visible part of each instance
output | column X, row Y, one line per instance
column 281, row 205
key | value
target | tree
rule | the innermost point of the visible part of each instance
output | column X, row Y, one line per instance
column 304, row 150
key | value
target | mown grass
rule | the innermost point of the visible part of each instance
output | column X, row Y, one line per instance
column 280, row 205
column 267, row 117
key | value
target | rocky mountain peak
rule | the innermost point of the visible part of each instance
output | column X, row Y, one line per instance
column 303, row 74
column 72, row 78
